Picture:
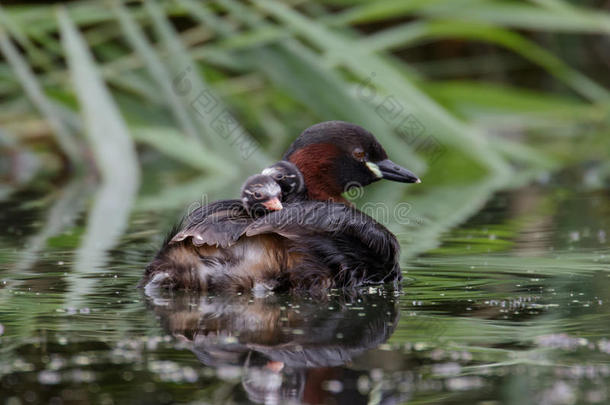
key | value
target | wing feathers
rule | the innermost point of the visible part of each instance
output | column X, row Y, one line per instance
column 327, row 219
column 217, row 224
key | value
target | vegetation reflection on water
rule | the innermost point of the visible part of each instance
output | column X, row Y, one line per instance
column 512, row 308
column 116, row 115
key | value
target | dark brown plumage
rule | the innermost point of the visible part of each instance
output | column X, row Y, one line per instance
column 221, row 223
column 309, row 244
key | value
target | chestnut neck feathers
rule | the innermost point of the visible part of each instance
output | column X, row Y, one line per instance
column 317, row 164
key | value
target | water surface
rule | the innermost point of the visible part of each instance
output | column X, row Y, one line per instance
column 512, row 307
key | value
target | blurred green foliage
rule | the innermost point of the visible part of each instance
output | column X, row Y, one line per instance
column 473, row 95
column 113, row 110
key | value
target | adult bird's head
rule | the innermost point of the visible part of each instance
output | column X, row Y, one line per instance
column 334, row 156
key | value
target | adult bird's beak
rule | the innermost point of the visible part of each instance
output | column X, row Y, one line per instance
column 392, row 171
column 273, row 204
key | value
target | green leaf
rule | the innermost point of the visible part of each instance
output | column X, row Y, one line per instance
column 115, row 157
column 174, row 145
column 414, row 33
column 35, row 92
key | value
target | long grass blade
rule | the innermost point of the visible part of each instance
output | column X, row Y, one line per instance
column 437, row 120
column 156, row 69
column 321, row 89
column 171, row 143
column 114, row 154
column 413, row 33
column 34, row 91
column 554, row 16
column 181, row 60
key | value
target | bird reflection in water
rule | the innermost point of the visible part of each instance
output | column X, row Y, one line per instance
column 288, row 349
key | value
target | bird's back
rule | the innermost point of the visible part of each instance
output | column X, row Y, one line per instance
column 305, row 246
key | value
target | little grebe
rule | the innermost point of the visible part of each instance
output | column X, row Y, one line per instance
column 316, row 242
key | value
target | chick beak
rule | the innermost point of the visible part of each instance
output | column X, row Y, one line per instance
column 275, row 366
column 273, row 204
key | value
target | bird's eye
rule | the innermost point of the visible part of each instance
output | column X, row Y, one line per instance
column 258, row 195
column 358, row 154
column 278, row 176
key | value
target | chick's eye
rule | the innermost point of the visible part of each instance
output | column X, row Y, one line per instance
column 258, row 195
column 358, row 154
column 278, row 176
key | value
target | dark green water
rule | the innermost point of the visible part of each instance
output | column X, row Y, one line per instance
column 511, row 308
